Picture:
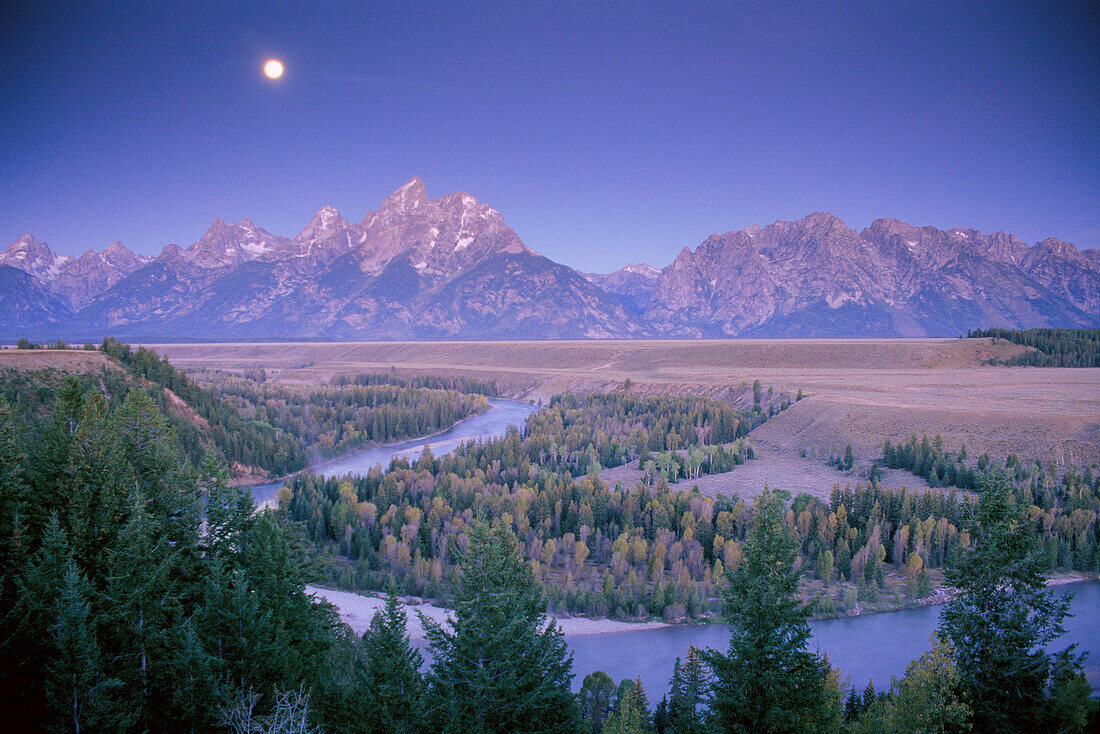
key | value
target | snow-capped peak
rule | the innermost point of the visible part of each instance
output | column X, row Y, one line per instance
column 34, row 257
column 642, row 269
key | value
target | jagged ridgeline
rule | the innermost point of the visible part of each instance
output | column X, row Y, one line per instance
column 447, row 268
column 1050, row 347
column 259, row 427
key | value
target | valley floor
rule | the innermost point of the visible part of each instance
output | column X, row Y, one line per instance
column 857, row 391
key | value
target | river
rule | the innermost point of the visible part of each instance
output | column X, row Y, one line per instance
column 490, row 424
column 869, row 647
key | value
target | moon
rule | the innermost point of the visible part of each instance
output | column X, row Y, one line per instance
column 273, row 69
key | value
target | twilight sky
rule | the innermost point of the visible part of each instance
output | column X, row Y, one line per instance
column 605, row 132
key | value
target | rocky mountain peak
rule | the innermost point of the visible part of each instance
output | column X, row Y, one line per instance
column 326, row 218
column 644, row 269
column 407, row 198
column 451, row 267
column 327, row 236
column 227, row 243
column 883, row 228
column 1055, row 246
column 33, row 257
column 633, row 284
column 24, row 243
column 823, row 220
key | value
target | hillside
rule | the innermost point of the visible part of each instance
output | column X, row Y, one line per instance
column 31, row 378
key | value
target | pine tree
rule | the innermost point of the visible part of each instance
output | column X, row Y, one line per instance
column 51, row 453
column 869, row 695
column 13, row 492
column 393, row 686
column 25, row 648
column 596, row 695
column 661, row 717
column 228, row 509
column 97, row 486
column 768, row 681
column 1071, row 701
column 148, row 445
column 688, row 689
column 852, row 705
column 627, row 718
column 290, row 646
column 141, row 594
column 1002, row 618
column 77, row 689
column 503, row 668
column 13, row 508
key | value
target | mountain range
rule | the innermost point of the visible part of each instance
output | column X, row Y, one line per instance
column 420, row 268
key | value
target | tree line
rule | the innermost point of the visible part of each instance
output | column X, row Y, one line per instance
column 1052, row 347
column 330, row 420
column 255, row 424
column 1064, row 505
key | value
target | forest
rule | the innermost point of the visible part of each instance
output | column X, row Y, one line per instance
column 329, row 420
column 659, row 548
column 142, row 592
column 1052, row 347
column 257, row 425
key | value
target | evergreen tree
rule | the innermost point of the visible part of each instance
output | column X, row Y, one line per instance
column 688, row 689
column 292, row 637
column 51, row 452
column 627, row 718
column 13, row 496
column 852, row 705
column 1002, row 618
column 77, row 689
column 97, row 486
column 142, row 593
column 503, row 668
column 596, row 696
column 869, row 695
column 768, row 681
column 25, row 649
column 661, row 717
column 1071, row 702
column 228, row 509
column 392, row 684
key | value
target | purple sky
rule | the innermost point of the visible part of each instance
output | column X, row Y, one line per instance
column 605, row 132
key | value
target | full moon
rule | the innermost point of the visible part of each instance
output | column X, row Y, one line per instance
column 273, row 69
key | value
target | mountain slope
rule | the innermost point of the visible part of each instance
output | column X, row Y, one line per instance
column 633, row 284
column 26, row 305
column 76, row 282
column 415, row 268
column 422, row 268
column 817, row 277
